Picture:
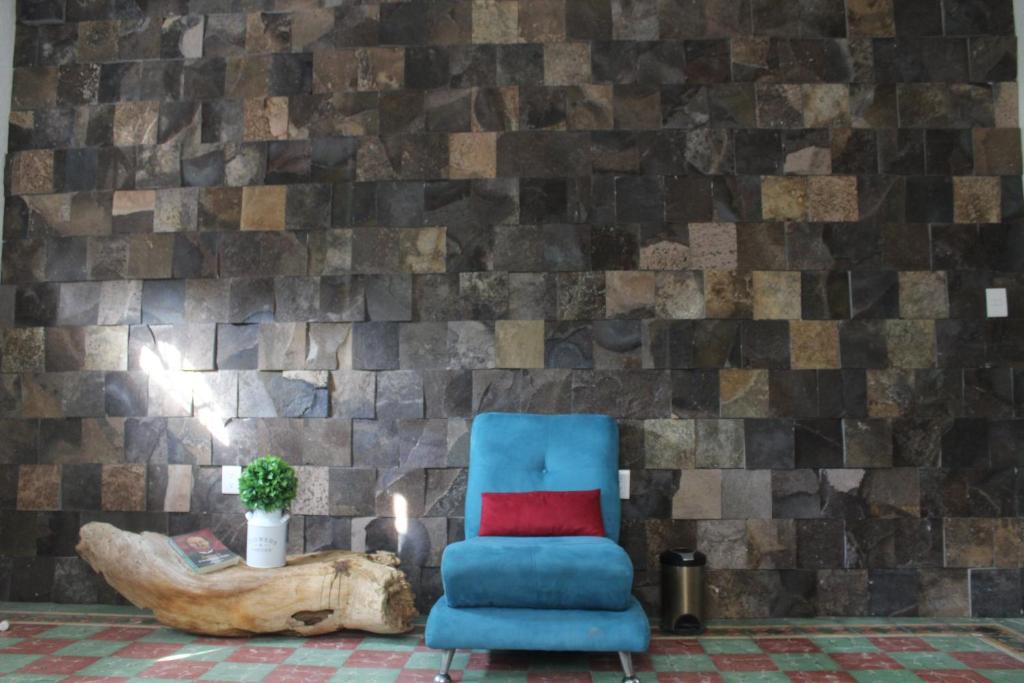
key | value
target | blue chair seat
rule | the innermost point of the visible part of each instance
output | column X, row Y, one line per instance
column 550, row 572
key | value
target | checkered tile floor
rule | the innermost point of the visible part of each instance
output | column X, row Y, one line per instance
column 50, row 645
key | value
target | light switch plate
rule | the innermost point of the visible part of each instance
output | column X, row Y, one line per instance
column 995, row 303
column 229, row 475
column 624, row 484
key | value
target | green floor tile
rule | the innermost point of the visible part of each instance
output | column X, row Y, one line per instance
column 682, row 663
column 168, row 635
column 755, row 677
column 316, row 656
column 116, row 666
column 844, row 644
column 399, row 644
column 7, row 643
column 432, row 660
column 616, row 677
column 958, row 643
column 71, row 631
column 729, row 646
column 801, row 661
column 927, row 660
column 363, row 675
column 497, row 676
column 885, row 676
column 200, row 652
column 275, row 641
column 238, row 671
column 9, row 663
column 92, row 648
column 153, row 680
column 31, row 678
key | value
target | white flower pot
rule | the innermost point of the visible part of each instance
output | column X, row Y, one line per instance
column 267, row 538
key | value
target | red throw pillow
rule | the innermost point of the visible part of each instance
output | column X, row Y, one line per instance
column 542, row 513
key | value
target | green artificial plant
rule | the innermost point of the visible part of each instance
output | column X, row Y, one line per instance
column 268, row 483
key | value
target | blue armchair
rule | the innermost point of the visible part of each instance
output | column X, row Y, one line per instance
column 539, row 593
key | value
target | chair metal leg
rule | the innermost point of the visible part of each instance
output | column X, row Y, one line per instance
column 627, row 668
column 446, row 664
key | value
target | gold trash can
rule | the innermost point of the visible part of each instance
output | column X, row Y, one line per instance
column 682, row 591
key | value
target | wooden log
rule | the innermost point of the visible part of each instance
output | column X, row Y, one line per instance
column 313, row 594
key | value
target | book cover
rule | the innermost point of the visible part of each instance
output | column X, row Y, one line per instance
column 203, row 552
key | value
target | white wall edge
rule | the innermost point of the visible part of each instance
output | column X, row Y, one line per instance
column 7, row 20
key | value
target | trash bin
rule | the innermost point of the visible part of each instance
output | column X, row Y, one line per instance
column 682, row 591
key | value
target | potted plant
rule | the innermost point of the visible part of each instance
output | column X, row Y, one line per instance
column 267, row 487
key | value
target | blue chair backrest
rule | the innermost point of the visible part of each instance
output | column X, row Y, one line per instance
column 514, row 452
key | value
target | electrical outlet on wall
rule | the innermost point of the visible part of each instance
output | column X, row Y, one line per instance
column 995, row 303
column 229, row 475
column 624, row 484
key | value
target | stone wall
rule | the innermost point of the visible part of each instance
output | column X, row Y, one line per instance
column 756, row 232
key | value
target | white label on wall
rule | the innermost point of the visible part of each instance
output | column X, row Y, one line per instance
column 624, row 484
column 995, row 303
column 229, row 475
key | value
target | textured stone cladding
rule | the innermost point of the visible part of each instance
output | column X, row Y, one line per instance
column 756, row 232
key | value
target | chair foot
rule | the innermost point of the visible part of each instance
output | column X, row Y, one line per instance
column 626, row 659
column 446, row 664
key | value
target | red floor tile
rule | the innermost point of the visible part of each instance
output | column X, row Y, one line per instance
column 671, row 646
column 560, row 677
column 744, row 663
column 24, row 631
column 287, row 673
column 334, row 642
column 37, row 646
column 611, row 662
column 952, row 676
column 863, row 661
column 148, row 650
column 224, row 642
column 122, row 633
column 786, row 645
column 901, row 644
column 261, row 655
column 496, row 661
column 94, row 679
column 180, row 669
column 988, row 660
column 420, row 676
column 820, row 677
column 54, row 666
column 376, row 659
column 690, row 677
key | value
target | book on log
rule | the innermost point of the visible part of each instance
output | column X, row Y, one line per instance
column 203, row 552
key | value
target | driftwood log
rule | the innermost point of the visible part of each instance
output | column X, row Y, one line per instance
column 313, row 594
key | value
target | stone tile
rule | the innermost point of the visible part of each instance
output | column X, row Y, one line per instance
column 976, row 200
column 679, row 295
column 784, row 198
column 776, row 295
column 814, row 344
column 629, row 294
column 519, row 343
column 746, row 494
column 23, row 349
column 566, row 64
column 713, row 246
column 313, row 497
column 699, row 495
column 495, row 21
column 868, row 443
column 832, row 198
column 39, row 487
column 472, row 155
column 871, row 18
column 923, row 294
column 911, row 343
column 743, row 393
column 135, row 123
column 720, row 443
column 263, row 208
column 728, row 294
column 996, row 152
column 669, row 444
column 124, row 487
column 32, row 172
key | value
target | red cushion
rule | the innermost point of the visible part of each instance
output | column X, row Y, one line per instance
column 542, row 513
